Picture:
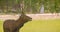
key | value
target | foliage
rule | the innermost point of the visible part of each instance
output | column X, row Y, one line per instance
column 30, row 6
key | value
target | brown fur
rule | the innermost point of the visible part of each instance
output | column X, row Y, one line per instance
column 15, row 25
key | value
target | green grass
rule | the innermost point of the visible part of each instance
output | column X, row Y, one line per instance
column 39, row 26
column 1, row 26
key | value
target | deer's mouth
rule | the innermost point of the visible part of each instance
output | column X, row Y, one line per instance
column 30, row 19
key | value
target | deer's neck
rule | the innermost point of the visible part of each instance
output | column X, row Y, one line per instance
column 20, row 20
column 19, row 23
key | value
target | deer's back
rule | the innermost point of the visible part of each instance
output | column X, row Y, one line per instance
column 8, row 23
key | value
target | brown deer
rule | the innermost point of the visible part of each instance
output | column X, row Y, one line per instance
column 15, row 25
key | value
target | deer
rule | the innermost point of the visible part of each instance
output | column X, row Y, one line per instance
column 16, row 25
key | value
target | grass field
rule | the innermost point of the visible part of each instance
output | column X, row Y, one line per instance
column 39, row 26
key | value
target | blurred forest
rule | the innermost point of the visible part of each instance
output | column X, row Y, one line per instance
column 29, row 6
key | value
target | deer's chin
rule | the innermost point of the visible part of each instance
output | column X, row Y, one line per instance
column 30, row 20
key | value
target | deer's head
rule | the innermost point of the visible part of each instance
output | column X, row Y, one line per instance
column 25, row 17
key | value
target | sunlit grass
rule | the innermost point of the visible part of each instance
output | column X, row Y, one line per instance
column 39, row 26
column 1, row 26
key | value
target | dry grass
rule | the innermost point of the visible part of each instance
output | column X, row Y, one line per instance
column 34, row 16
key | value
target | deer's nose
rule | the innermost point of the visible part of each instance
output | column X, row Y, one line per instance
column 31, row 19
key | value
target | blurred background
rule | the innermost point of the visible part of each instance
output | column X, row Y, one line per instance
column 30, row 6
column 45, row 14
